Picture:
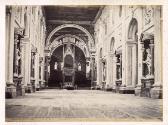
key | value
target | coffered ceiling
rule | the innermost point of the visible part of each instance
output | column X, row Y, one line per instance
column 83, row 15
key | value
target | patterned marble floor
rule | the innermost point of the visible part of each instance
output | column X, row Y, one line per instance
column 82, row 105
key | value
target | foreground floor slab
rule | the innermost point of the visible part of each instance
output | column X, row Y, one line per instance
column 78, row 105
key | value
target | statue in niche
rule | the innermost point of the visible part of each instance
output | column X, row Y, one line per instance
column 104, row 72
column 118, row 66
column 56, row 66
column 79, row 67
column 62, row 65
column 147, row 62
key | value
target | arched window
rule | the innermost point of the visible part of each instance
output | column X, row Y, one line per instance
column 79, row 66
column 112, row 44
column 120, row 11
column 56, row 66
column 101, row 53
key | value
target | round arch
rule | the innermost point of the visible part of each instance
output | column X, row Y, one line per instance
column 112, row 42
column 91, row 41
column 55, row 45
column 132, row 29
column 100, row 53
column 132, row 54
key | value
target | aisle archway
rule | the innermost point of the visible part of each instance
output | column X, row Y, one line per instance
column 132, row 54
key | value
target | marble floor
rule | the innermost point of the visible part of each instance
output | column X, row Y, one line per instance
column 82, row 105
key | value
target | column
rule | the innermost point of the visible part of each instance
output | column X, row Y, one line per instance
column 111, row 70
column 88, row 69
column 25, row 63
column 37, row 71
column 10, row 87
column 33, row 61
column 140, row 70
column 92, row 71
column 23, row 58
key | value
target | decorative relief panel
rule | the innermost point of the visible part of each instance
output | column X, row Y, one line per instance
column 18, row 14
column 148, row 14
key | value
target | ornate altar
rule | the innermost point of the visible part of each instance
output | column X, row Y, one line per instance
column 68, row 66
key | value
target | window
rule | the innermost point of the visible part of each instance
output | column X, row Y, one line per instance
column 120, row 11
column 112, row 44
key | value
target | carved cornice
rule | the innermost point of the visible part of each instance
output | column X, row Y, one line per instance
column 147, row 37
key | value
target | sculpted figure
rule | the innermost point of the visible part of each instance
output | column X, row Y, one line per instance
column 148, row 61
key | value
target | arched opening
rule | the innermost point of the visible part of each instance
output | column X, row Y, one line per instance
column 56, row 63
column 112, row 44
column 68, row 67
column 132, row 54
column 90, row 39
column 100, row 53
column 133, row 29
column 101, row 73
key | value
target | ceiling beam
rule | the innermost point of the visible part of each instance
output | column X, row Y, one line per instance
column 69, row 22
column 98, row 14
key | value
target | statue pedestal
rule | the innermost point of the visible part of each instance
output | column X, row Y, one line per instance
column 138, row 90
column 20, row 90
column 156, row 91
column 33, row 85
column 10, row 90
column 29, row 88
column 122, row 89
column 103, row 85
column 146, row 86
column 118, row 84
column 126, row 89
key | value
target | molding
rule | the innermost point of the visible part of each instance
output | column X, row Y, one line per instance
column 69, row 22
column 98, row 14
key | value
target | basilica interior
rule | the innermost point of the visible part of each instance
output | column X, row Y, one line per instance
column 107, row 48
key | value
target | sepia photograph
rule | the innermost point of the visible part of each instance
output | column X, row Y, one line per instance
column 83, row 63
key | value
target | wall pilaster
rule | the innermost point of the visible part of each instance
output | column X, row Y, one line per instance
column 156, row 91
